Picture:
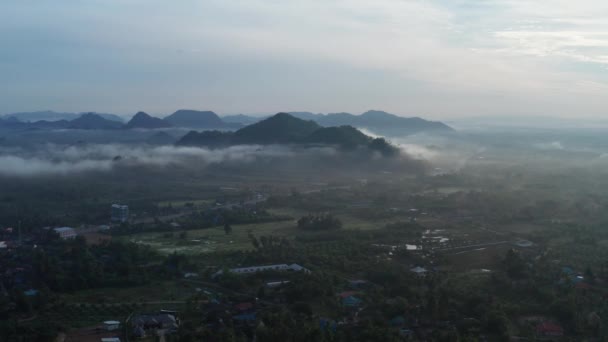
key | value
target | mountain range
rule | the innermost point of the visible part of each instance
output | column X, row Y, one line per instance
column 49, row 115
column 376, row 122
column 284, row 128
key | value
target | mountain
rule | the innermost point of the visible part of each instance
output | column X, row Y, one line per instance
column 378, row 122
column 283, row 128
column 44, row 124
column 14, row 124
column 242, row 119
column 212, row 139
column 49, row 115
column 280, row 128
column 306, row 115
column 197, row 119
column 346, row 136
column 143, row 120
column 93, row 121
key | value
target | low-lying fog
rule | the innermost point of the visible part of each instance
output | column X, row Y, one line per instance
column 436, row 153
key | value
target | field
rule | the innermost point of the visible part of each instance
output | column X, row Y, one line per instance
column 215, row 239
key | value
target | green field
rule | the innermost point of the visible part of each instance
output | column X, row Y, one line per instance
column 214, row 239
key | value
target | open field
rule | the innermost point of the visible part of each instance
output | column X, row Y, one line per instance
column 214, row 239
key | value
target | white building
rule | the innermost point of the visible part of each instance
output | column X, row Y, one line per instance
column 111, row 325
column 255, row 269
column 65, row 232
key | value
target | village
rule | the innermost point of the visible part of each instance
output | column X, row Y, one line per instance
column 403, row 269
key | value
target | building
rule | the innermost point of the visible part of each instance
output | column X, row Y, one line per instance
column 120, row 213
column 111, row 325
column 156, row 321
column 419, row 271
column 110, row 339
column 65, row 232
column 549, row 331
column 255, row 269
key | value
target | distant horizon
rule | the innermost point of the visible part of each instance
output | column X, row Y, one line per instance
column 472, row 117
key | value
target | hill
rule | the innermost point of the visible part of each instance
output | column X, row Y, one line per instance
column 346, row 136
column 211, row 139
column 283, row 128
column 197, row 119
column 93, row 121
column 143, row 120
column 241, row 119
column 378, row 122
column 278, row 129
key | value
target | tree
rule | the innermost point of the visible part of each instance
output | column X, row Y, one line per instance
column 227, row 229
column 514, row 265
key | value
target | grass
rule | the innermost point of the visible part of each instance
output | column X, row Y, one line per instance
column 212, row 239
column 207, row 240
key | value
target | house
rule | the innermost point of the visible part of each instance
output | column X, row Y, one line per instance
column 30, row 292
column 110, row 339
column 119, row 213
column 351, row 301
column 65, row 232
column 420, row 271
column 111, row 325
column 3, row 245
column 548, row 330
column 139, row 332
column 357, row 284
column 156, row 321
column 274, row 284
column 255, row 269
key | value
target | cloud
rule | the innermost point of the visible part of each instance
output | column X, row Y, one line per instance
column 56, row 160
column 434, row 58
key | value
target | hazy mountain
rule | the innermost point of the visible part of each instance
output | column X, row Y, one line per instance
column 143, row 120
column 242, row 119
column 11, row 119
column 378, row 122
column 93, row 121
column 197, row 119
column 280, row 128
column 283, row 128
column 56, row 116
column 306, row 115
column 207, row 138
column 14, row 124
column 347, row 136
column 45, row 124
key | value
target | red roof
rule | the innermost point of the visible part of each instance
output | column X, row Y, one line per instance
column 548, row 328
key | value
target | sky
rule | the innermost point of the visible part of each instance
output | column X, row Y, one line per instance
column 441, row 59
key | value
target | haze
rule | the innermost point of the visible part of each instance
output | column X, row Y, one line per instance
column 436, row 59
